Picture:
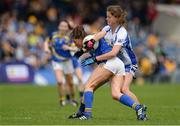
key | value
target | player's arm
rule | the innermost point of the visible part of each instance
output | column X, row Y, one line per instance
column 46, row 46
column 102, row 33
column 118, row 44
column 115, row 50
column 47, row 51
column 99, row 35
column 67, row 47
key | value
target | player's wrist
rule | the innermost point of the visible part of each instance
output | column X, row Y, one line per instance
column 95, row 59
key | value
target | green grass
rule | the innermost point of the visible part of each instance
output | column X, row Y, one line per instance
column 31, row 104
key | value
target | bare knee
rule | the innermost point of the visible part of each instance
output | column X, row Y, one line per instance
column 90, row 87
column 125, row 90
column 115, row 96
column 59, row 83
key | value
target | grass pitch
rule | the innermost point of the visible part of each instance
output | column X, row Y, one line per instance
column 30, row 104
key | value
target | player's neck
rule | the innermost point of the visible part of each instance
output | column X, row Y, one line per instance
column 113, row 27
column 61, row 33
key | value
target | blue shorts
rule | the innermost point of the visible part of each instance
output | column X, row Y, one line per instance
column 131, row 69
column 76, row 63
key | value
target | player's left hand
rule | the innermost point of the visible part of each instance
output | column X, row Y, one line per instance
column 88, row 61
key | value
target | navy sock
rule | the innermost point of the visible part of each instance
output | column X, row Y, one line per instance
column 81, row 94
column 137, row 107
column 81, row 108
column 68, row 97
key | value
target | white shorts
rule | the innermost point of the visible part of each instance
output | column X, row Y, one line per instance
column 131, row 69
column 65, row 66
column 115, row 65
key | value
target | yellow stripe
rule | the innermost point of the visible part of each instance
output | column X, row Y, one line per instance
column 134, row 105
column 57, row 36
column 57, row 55
column 62, row 98
column 88, row 109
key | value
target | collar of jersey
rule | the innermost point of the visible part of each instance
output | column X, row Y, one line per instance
column 117, row 28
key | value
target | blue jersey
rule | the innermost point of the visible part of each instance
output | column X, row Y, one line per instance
column 102, row 48
column 56, row 42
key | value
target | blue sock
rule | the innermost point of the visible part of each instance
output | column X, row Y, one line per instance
column 88, row 100
column 128, row 101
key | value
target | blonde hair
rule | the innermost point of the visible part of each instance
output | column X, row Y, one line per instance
column 118, row 12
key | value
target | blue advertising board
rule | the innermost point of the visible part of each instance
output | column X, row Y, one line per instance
column 16, row 72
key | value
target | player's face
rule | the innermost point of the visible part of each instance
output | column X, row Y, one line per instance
column 63, row 27
column 78, row 43
column 111, row 20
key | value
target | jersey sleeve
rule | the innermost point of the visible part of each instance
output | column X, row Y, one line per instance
column 121, row 37
column 107, row 28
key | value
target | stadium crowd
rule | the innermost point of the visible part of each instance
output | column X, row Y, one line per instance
column 24, row 26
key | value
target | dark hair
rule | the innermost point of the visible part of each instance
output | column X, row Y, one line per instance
column 78, row 32
column 118, row 12
column 64, row 20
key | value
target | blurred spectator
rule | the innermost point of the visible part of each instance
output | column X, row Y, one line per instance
column 7, row 52
column 151, row 11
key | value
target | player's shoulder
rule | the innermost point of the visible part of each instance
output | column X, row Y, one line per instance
column 55, row 35
column 67, row 38
column 122, row 29
column 106, row 28
column 122, row 32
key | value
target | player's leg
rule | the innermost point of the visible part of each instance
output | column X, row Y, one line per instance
column 70, row 89
column 126, row 87
column 116, row 84
column 68, row 70
column 130, row 72
column 99, row 76
column 80, row 86
column 59, row 78
column 95, row 80
column 117, row 67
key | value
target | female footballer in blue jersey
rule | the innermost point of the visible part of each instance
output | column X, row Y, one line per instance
column 107, row 69
column 116, row 35
column 57, row 48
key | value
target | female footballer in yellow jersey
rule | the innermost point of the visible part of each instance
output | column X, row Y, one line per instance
column 56, row 46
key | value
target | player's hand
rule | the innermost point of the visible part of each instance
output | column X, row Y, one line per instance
column 47, row 56
column 88, row 61
column 89, row 45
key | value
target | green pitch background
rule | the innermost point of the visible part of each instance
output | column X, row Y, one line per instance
column 30, row 104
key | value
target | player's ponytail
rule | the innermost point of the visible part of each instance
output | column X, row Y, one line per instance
column 78, row 33
column 122, row 19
